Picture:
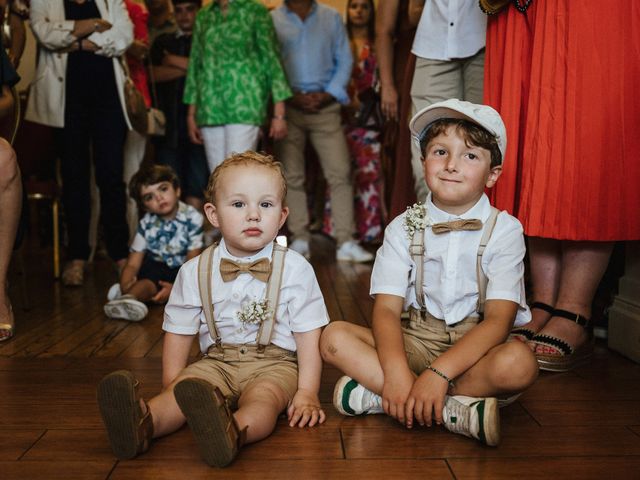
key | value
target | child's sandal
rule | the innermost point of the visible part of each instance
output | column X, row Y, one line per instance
column 130, row 430
column 567, row 357
column 210, row 419
column 526, row 334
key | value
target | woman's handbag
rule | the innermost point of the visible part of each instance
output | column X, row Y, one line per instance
column 145, row 121
column 134, row 101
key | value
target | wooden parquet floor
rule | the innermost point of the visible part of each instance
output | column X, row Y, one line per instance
column 584, row 424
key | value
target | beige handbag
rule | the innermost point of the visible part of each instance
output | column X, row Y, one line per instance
column 156, row 120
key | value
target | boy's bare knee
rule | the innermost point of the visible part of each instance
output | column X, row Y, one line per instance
column 330, row 339
column 516, row 366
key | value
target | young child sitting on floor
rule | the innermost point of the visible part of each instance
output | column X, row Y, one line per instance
column 259, row 329
column 457, row 264
column 169, row 234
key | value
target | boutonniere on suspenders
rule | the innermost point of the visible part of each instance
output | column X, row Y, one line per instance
column 254, row 312
column 416, row 219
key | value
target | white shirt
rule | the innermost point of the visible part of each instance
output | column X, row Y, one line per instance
column 450, row 29
column 301, row 306
column 450, row 285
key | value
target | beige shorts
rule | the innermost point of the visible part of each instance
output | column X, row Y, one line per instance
column 426, row 338
column 236, row 367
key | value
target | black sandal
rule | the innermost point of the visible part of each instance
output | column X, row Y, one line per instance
column 568, row 357
column 526, row 334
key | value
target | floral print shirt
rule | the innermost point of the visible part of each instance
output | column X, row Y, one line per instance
column 234, row 65
column 169, row 241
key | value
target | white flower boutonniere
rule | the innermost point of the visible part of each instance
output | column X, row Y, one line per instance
column 254, row 312
column 416, row 218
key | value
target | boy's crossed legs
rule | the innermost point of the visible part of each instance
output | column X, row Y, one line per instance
column 506, row 369
column 199, row 395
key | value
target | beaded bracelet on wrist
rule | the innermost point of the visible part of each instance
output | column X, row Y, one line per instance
column 441, row 375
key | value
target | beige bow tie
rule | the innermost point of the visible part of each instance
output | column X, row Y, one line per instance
column 464, row 224
column 260, row 269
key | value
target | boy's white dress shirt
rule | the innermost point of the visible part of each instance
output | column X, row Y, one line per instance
column 450, row 283
column 301, row 306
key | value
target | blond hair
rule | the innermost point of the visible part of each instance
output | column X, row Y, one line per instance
column 248, row 158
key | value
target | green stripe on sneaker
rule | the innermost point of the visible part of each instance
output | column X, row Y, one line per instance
column 481, row 435
column 346, row 393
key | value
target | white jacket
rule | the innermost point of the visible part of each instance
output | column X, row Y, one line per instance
column 53, row 33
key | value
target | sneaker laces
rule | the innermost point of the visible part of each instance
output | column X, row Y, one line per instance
column 457, row 417
column 371, row 401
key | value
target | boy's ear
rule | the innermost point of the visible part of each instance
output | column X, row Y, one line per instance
column 212, row 214
column 494, row 174
column 283, row 216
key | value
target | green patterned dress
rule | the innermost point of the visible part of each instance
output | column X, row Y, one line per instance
column 234, row 66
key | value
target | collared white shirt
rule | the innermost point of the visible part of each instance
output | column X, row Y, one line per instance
column 450, row 284
column 301, row 306
column 450, row 29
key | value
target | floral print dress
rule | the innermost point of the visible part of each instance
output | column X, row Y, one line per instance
column 363, row 139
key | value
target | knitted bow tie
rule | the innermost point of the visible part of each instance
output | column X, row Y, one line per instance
column 464, row 224
column 260, row 269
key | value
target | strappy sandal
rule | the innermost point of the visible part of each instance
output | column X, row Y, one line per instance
column 210, row 419
column 73, row 274
column 526, row 334
column 7, row 329
column 567, row 357
column 130, row 431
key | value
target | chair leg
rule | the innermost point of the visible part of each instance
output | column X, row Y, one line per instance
column 56, row 239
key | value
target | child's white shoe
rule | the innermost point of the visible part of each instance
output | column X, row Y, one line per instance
column 350, row 398
column 473, row 417
column 114, row 292
column 127, row 308
column 352, row 252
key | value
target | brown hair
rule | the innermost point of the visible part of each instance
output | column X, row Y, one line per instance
column 248, row 158
column 150, row 175
column 472, row 133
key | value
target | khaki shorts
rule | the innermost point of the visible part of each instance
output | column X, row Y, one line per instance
column 236, row 367
column 426, row 338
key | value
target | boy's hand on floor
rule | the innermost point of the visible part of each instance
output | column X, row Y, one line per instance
column 305, row 409
column 395, row 391
column 426, row 399
column 163, row 294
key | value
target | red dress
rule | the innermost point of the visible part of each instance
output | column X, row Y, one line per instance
column 565, row 79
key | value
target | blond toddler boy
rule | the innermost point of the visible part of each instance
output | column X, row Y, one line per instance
column 239, row 370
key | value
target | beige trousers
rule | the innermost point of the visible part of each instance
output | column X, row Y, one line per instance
column 438, row 80
column 324, row 129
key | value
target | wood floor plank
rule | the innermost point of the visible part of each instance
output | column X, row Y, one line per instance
column 71, row 445
column 268, row 469
column 375, row 442
column 618, row 412
column 15, row 442
column 55, row 470
column 583, row 468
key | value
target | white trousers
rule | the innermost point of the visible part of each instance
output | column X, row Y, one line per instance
column 223, row 140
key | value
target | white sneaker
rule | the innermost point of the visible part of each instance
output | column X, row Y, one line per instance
column 114, row 292
column 473, row 417
column 127, row 308
column 302, row 247
column 352, row 252
column 350, row 398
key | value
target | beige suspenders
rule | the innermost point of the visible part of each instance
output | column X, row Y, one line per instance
column 205, row 265
column 416, row 249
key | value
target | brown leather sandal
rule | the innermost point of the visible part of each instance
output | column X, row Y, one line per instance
column 567, row 357
column 526, row 334
column 210, row 419
column 130, row 430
